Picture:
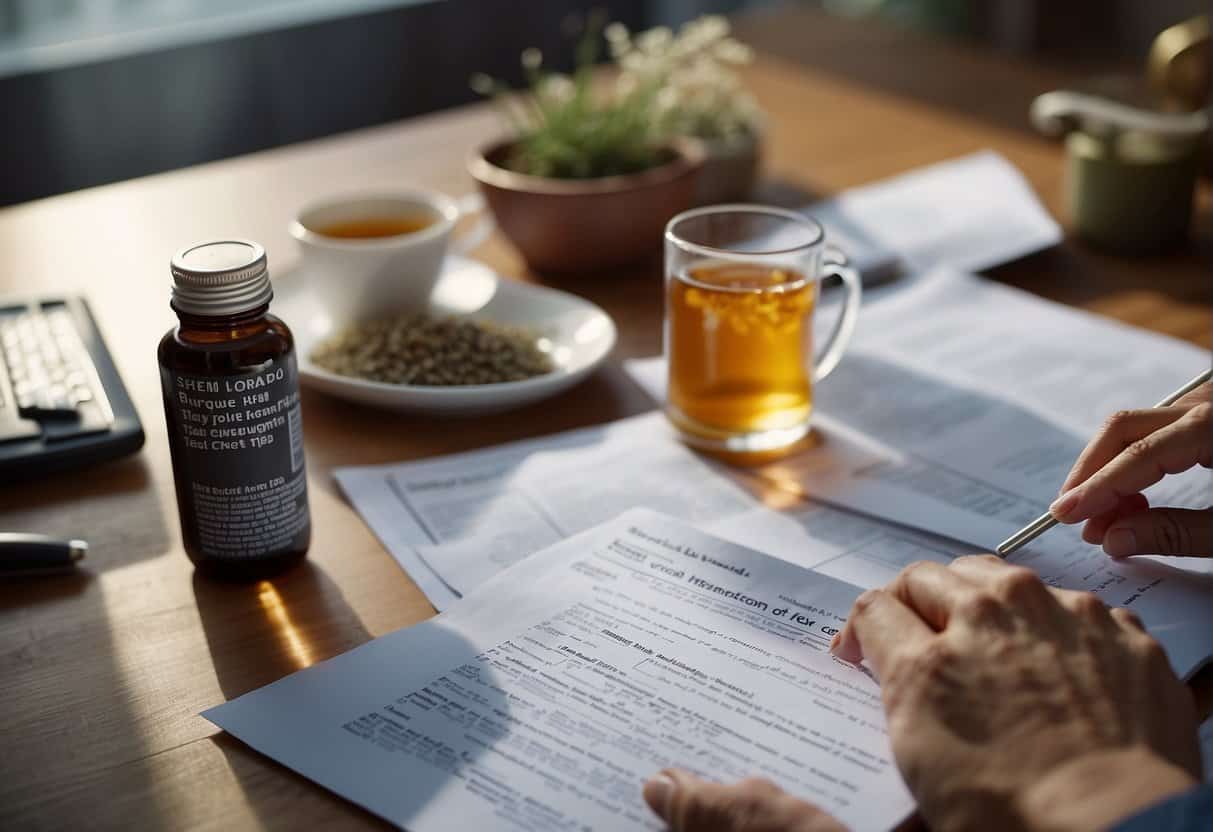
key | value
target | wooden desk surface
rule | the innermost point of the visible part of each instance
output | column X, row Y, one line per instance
column 102, row 676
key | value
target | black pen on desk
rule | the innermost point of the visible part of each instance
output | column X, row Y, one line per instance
column 1047, row 521
column 37, row 554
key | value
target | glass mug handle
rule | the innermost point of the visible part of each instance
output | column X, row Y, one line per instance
column 835, row 265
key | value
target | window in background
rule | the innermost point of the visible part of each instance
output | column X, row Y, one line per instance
column 111, row 89
column 38, row 35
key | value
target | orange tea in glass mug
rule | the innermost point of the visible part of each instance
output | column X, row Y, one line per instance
column 741, row 286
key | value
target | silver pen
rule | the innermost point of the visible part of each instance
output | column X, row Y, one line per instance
column 1046, row 521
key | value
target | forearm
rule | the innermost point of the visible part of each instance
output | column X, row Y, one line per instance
column 1098, row 790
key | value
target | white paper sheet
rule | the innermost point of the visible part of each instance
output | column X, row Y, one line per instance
column 454, row 521
column 972, row 212
column 545, row 700
column 969, row 213
column 1069, row 366
column 835, row 542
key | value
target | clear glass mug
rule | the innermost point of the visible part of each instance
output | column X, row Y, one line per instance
column 741, row 287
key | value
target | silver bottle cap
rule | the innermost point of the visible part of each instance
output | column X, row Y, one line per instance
column 221, row 277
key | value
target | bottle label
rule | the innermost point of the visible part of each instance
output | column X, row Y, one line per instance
column 238, row 455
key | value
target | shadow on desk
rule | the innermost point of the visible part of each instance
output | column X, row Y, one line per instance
column 55, row 667
column 259, row 632
column 24, row 592
column 281, row 798
column 1094, row 278
column 114, row 506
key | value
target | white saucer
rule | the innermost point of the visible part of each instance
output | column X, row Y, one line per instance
column 577, row 334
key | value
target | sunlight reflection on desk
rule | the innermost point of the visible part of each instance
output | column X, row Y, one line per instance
column 276, row 611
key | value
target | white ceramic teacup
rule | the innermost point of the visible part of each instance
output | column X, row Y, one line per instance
column 362, row 278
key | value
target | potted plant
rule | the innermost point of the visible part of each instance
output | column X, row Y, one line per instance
column 699, row 94
column 590, row 177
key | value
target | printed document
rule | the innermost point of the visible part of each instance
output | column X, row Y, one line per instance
column 471, row 515
column 1175, row 604
column 963, row 403
column 546, row 699
column 969, row 213
column 455, row 521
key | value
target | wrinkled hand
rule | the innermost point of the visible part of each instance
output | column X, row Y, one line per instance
column 1011, row 704
column 688, row 804
column 1133, row 450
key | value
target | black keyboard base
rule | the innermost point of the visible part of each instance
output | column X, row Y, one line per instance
column 24, row 459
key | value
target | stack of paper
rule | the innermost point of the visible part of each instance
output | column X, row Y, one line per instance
column 456, row 521
column 557, row 688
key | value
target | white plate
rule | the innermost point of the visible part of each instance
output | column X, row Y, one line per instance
column 577, row 335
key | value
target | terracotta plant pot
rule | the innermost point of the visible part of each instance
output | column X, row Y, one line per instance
column 581, row 225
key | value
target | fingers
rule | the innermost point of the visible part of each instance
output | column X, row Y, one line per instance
column 1204, row 393
column 1085, row 605
column 1161, row 531
column 1095, row 528
column 1127, row 620
column 1118, row 432
column 1024, row 591
column 1016, row 586
column 879, row 625
column 1020, row 586
column 687, row 803
column 932, row 590
column 922, row 598
column 1185, row 442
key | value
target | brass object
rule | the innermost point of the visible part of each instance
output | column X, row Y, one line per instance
column 1178, row 66
column 1131, row 173
column 1131, row 193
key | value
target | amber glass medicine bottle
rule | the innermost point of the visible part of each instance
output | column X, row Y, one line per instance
column 231, row 401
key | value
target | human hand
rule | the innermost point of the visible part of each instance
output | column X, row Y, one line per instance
column 1011, row 704
column 1135, row 449
column 689, row 804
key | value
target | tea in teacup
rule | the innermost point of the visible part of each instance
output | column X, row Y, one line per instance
column 369, row 257
column 374, row 227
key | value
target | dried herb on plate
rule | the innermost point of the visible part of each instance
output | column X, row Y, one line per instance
column 420, row 349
